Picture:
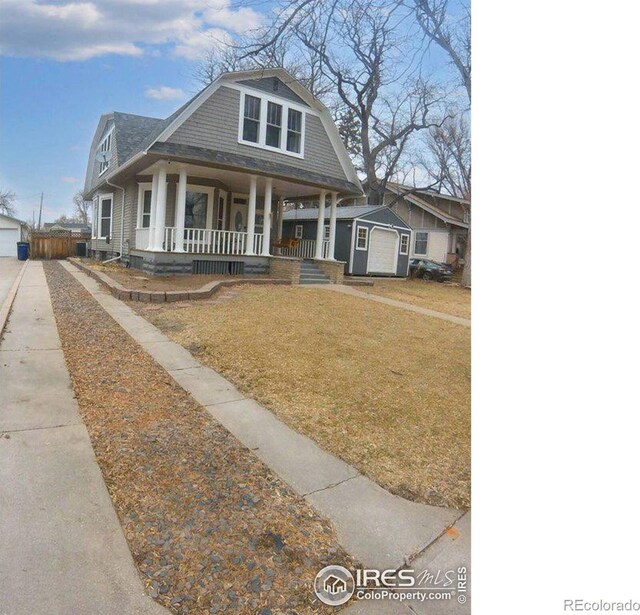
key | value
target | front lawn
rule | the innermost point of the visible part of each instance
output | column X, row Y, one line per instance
column 385, row 389
column 447, row 298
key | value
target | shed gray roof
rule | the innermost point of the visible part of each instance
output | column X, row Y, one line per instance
column 342, row 213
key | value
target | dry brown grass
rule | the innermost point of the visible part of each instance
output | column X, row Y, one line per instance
column 386, row 390
column 447, row 298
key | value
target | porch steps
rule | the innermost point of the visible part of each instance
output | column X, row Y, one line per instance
column 311, row 274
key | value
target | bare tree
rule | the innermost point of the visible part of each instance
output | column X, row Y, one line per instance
column 82, row 208
column 356, row 56
column 450, row 32
column 7, row 200
column 448, row 163
column 453, row 35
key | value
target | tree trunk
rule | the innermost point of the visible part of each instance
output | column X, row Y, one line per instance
column 466, row 272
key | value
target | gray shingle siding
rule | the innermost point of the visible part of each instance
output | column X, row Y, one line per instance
column 214, row 126
column 266, row 84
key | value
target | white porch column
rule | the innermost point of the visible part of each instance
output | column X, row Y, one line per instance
column 320, row 231
column 152, row 217
column 332, row 226
column 161, row 206
column 181, row 203
column 251, row 222
column 266, row 237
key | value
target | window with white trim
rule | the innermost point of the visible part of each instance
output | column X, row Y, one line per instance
column 404, row 244
column 327, row 232
column 261, row 124
column 420, row 244
column 298, row 231
column 104, row 147
column 294, row 131
column 144, row 208
column 251, row 123
column 274, row 124
column 105, row 207
column 362, row 239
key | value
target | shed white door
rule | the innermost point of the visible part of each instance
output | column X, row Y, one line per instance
column 383, row 251
column 8, row 239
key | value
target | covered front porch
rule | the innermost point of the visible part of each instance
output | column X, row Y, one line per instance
column 184, row 208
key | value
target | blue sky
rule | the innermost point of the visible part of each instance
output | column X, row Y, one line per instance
column 65, row 62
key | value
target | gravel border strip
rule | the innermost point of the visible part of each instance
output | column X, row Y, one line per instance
column 210, row 527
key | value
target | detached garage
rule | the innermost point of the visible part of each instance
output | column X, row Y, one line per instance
column 370, row 239
column 12, row 231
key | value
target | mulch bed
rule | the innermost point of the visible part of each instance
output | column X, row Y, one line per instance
column 210, row 527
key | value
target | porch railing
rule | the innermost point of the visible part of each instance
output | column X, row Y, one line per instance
column 210, row 241
column 306, row 248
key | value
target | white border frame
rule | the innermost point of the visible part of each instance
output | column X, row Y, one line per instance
column 210, row 192
column 262, row 128
column 104, row 197
column 295, row 231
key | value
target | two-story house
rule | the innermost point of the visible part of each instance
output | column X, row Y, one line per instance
column 203, row 190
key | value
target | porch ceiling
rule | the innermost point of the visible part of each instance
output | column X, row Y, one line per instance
column 236, row 181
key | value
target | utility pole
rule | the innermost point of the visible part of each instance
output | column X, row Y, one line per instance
column 40, row 214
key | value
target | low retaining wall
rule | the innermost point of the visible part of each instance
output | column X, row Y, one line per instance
column 204, row 292
column 333, row 269
column 286, row 268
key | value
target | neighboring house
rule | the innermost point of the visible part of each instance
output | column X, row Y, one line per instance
column 206, row 186
column 370, row 239
column 74, row 227
column 440, row 222
column 12, row 231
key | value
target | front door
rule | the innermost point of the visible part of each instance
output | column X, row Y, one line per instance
column 240, row 214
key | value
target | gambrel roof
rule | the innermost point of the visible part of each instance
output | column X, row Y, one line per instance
column 134, row 136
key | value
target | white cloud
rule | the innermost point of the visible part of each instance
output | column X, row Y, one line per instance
column 70, row 180
column 164, row 92
column 78, row 30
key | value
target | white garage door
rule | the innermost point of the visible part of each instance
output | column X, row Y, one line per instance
column 383, row 251
column 8, row 239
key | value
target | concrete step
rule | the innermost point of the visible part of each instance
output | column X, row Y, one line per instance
column 314, row 281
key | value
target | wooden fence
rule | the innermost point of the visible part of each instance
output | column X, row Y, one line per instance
column 55, row 244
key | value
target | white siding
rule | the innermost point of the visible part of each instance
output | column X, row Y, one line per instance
column 437, row 246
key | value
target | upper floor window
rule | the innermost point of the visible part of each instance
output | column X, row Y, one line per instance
column 273, row 124
column 105, row 146
column 251, row 125
column 294, row 131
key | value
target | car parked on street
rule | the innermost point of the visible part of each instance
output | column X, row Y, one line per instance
column 429, row 270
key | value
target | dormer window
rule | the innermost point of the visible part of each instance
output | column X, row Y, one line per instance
column 105, row 146
column 251, row 127
column 271, row 123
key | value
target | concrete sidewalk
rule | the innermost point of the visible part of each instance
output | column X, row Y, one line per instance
column 380, row 529
column 62, row 548
column 349, row 290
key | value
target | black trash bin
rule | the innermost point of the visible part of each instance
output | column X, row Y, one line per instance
column 23, row 250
